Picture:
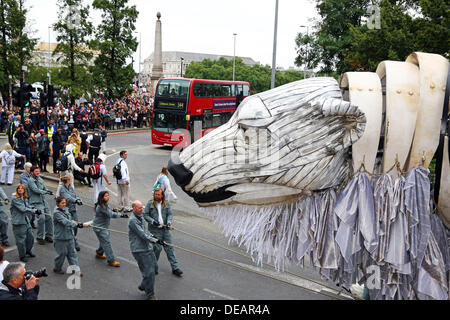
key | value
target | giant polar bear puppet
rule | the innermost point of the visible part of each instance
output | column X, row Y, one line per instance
column 336, row 174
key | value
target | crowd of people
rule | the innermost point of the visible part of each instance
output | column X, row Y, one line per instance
column 127, row 112
column 148, row 228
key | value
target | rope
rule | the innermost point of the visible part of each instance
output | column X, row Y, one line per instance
column 266, row 264
column 234, row 265
column 396, row 165
column 337, row 296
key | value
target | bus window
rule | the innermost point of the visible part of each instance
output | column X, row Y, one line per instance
column 246, row 90
column 207, row 121
column 216, row 120
column 239, row 90
column 173, row 88
column 168, row 122
column 226, row 90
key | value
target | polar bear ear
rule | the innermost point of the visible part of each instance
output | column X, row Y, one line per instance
column 353, row 116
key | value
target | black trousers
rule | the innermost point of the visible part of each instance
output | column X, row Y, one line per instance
column 55, row 157
column 43, row 160
column 93, row 154
column 82, row 176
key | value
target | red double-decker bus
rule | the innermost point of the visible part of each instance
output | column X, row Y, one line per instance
column 181, row 102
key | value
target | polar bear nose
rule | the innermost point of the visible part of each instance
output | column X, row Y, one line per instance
column 179, row 172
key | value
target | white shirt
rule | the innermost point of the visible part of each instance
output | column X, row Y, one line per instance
column 160, row 219
column 123, row 171
column 2, row 268
column 71, row 160
column 4, row 154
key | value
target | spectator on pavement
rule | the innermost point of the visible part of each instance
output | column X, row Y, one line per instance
column 163, row 182
column 82, row 161
column 43, row 150
column 15, row 286
column 23, row 144
column 57, row 140
column 71, row 167
column 99, row 180
column 123, row 184
column 8, row 157
column 94, row 143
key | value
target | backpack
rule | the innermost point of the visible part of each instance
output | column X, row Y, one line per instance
column 94, row 170
column 10, row 159
column 62, row 164
column 117, row 171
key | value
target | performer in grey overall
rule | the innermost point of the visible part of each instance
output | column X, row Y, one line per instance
column 142, row 250
column 159, row 216
column 37, row 191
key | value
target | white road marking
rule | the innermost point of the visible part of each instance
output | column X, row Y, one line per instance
column 10, row 249
column 219, row 294
column 291, row 279
column 112, row 192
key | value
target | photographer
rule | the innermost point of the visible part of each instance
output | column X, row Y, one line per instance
column 15, row 286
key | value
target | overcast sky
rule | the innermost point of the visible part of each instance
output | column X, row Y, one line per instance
column 205, row 26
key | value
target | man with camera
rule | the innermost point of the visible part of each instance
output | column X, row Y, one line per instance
column 18, row 284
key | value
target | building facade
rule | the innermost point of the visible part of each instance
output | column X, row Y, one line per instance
column 43, row 55
column 174, row 63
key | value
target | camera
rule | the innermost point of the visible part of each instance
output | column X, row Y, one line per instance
column 38, row 274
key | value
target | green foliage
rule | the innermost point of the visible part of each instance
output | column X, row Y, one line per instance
column 16, row 45
column 328, row 41
column 401, row 33
column 341, row 40
column 258, row 76
column 73, row 28
column 116, row 43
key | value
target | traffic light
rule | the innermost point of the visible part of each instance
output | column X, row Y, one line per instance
column 52, row 96
column 16, row 96
column 43, row 97
column 26, row 94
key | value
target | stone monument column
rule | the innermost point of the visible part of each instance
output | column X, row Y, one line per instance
column 157, row 70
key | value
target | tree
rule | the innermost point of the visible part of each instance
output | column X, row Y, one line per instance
column 406, row 26
column 342, row 41
column 73, row 30
column 16, row 43
column 325, row 47
column 116, row 43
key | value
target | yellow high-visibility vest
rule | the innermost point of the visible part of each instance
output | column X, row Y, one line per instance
column 50, row 131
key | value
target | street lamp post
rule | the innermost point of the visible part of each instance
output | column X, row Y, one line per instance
column 234, row 55
column 49, row 55
column 182, row 59
column 140, row 52
column 10, row 95
column 274, row 57
column 307, row 50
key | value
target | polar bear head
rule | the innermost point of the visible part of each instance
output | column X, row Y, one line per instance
column 278, row 145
